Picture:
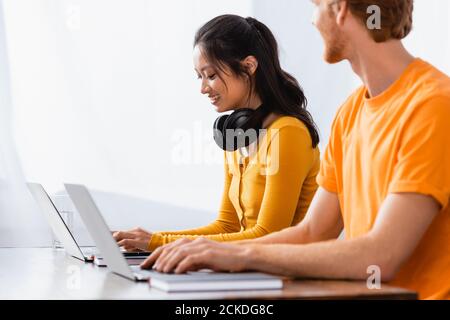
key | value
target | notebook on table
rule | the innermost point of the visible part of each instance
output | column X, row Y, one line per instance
column 214, row 281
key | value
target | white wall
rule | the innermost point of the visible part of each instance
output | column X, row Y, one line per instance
column 430, row 38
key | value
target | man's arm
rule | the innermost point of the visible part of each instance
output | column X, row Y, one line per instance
column 402, row 222
column 322, row 222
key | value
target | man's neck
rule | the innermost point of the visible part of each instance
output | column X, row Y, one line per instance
column 379, row 65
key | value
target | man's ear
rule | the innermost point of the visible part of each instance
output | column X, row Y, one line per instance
column 341, row 11
column 250, row 64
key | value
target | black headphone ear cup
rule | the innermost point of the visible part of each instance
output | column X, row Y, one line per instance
column 239, row 122
column 239, row 119
column 220, row 121
column 219, row 131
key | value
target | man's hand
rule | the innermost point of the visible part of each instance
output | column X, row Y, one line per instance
column 401, row 223
column 190, row 255
column 133, row 240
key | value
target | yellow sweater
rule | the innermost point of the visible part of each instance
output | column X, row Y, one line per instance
column 265, row 191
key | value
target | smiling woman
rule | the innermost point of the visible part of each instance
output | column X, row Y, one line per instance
column 237, row 61
column 224, row 89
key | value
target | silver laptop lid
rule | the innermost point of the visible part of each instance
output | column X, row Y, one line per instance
column 55, row 220
column 99, row 230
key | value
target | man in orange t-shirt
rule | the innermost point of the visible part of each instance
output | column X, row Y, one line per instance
column 385, row 176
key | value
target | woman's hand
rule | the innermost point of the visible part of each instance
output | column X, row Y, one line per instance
column 190, row 255
column 133, row 240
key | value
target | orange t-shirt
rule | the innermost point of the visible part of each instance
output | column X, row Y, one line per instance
column 397, row 142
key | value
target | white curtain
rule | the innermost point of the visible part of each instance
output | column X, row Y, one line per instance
column 20, row 224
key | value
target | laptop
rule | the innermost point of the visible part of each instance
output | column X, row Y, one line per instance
column 63, row 233
column 100, row 233
column 202, row 280
column 58, row 225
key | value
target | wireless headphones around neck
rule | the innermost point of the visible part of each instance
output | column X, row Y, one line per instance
column 230, row 131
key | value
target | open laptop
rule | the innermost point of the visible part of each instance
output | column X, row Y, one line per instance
column 201, row 280
column 100, row 233
column 58, row 225
column 62, row 232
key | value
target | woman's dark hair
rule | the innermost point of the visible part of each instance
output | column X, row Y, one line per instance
column 228, row 39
